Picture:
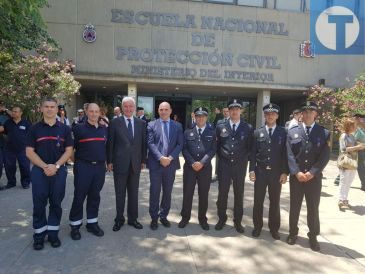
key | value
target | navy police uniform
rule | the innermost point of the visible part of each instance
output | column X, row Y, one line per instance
column 89, row 171
column 199, row 146
column 308, row 151
column 233, row 147
column 268, row 161
column 15, row 150
column 49, row 143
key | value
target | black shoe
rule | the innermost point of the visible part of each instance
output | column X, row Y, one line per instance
column 239, row 228
column 55, row 242
column 38, row 244
column 75, row 233
column 275, row 235
column 183, row 223
column 220, row 225
column 95, row 229
column 165, row 222
column 154, row 225
column 118, row 224
column 362, row 188
column 291, row 240
column 26, row 186
column 313, row 243
column 256, row 232
column 9, row 186
column 136, row 224
column 2, row 188
column 204, row 225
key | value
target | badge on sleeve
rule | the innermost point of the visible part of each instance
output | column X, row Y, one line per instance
column 22, row 127
column 261, row 134
column 191, row 134
column 224, row 130
column 296, row 135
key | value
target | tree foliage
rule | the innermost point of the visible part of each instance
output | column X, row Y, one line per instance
column 27, row 81
column 22, row 26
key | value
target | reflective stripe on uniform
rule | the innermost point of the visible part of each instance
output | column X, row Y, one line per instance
column 79, row 222
column 91, row 221
column 40, row 230
column 53, row 227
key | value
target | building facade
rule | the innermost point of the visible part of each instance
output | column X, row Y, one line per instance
column 195, row 52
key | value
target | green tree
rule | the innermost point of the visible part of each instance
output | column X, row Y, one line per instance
column 22, row 26
column 33, row 77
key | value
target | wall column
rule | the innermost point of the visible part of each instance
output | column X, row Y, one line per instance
column 132, row 91
column 263, row 98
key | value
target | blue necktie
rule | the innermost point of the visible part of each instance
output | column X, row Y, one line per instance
column 234, row 129
column 165, row 139
column 308, row 130
column 270, row 132
column 130, row 130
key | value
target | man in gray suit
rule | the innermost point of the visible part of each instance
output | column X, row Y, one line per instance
column 126, row 157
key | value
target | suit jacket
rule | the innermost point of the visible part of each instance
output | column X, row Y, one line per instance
column 198, row 149
column 121, row 152
column 155, row 143
column 308, row 153
column 190, row 124
column 269, row 153
column 145, row 119
column 234, row 148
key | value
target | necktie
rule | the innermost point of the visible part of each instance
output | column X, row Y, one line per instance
column 270, row 132
column 130, row 130
column 200, row 132
column 165, row 146
column 308, row 130
column 234, row 128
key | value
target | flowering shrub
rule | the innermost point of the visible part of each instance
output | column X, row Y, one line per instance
column 27, row 81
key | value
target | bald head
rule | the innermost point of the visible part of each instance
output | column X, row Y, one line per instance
column 93, row 113
column 164, row 111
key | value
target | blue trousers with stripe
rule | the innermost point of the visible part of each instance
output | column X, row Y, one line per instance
column 47, row 189
column 88, row 182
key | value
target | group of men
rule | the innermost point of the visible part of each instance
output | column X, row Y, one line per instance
column 271, row 152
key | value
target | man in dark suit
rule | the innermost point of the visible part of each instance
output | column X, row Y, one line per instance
column 268, row 169
column 199, row 149
column 126, row 157
column 165, row 142
column 190, row 123
column 218, row 116
column 308, row 154
column 140, row 115
column 234, row 140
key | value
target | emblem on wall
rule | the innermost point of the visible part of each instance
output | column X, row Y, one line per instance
column 89, row 34
column 307, row 50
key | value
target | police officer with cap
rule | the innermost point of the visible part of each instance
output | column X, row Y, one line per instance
column 308, row 154
column 198, row 150
column 268, row 169
column 234, row 140
column 89, row 169
column 49, row 145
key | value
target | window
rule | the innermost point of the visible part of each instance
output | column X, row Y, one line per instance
column 292, row 5
column 252, row 3
column 222, row 1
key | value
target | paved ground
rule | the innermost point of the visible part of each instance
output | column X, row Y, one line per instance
column 188, row 250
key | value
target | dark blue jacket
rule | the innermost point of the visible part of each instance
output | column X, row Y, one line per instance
column 234, row 148
column 269, row 154
column 199, row 149
column 308, row 153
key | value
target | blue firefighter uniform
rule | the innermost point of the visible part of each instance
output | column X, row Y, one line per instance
column 15, row 150
column 89, row 171
column 49, row 143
